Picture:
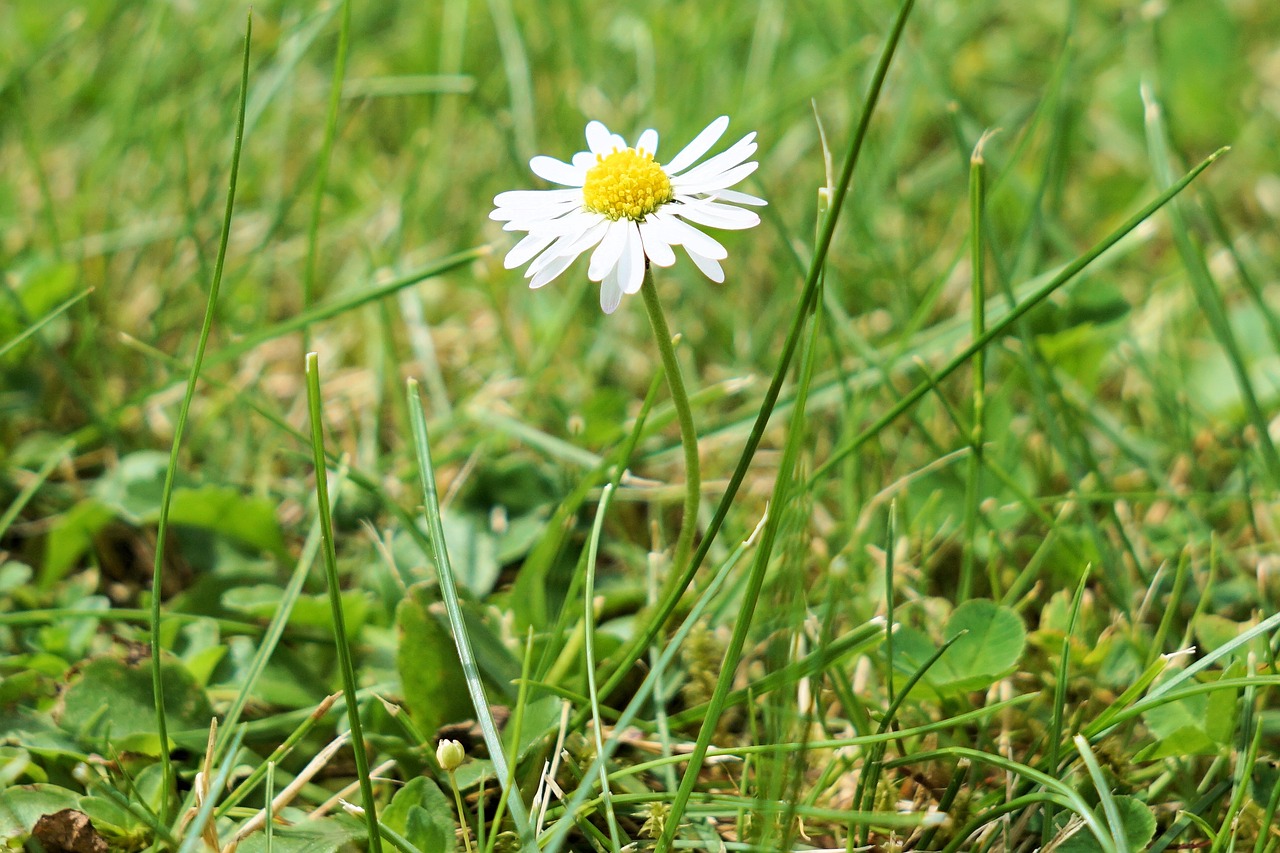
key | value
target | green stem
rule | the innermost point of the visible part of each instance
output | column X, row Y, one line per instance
column 688, row 435
column 462, row 811
column 170, row 476
column 341, row 641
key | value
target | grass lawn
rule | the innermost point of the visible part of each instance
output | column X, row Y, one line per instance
column 948, row 521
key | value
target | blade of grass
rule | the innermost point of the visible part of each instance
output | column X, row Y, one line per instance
column 194, row 832
column 589, row 620
column 1109, row 808
column 864, row 794
column 346, row 665
column 322, row 169
column 449, row 593
column 787, row 470
column 29, row 490
column 1206, row 290
column 1065, row 275
column 554, row 838
column 1070, row 798
column 978, row 322
column 1060, row 698
column 170, row 476
column 35, row 327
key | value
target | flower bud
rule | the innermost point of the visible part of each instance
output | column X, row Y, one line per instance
column 450, row 754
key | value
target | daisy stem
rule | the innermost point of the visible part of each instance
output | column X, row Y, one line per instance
column 688, row 435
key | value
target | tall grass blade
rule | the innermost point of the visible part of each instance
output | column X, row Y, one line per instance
column 170, row 476
column 346, row 665
column 449, row 592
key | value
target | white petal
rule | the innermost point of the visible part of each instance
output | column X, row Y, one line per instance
column 557, row 172
column 722, row 162
column 526, row 249
column 573, row 220
column 678, row 232
column 598, row 138
column 735, row 197
column 631, row 264
column 617, row 143
column 584, row 160
column 717, row 216
column 525, row 199
column 528, row 215
column 700, row 145
column 605, row 258
column 552, row 270
column 584, row 241
column 648, row 142
column 709, row 268
column 715, row 183
column 571, row 244
column 655, row 248
column 610, row 293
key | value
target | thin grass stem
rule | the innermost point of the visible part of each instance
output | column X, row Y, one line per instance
column 342, row 643
column 171, row 472
column 449, row 593
column 688, row 432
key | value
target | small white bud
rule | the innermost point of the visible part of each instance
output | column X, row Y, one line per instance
column 450, row 754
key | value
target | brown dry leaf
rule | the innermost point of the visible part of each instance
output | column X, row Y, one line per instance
column 68, row 831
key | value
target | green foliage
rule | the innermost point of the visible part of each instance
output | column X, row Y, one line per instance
column 989, row 642
column 422, row 813
column 1119, row 428
column 109, row 701
column 1138, row 826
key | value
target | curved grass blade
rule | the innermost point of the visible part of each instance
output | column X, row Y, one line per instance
column 322, row 171
column 782, row 491
column 589, row 620
column 170, row 476
column 345, row 664
column 449, row 592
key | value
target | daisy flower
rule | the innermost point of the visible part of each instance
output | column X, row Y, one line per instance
column 629, row 208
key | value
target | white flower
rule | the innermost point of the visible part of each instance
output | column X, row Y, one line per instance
column 630, row 208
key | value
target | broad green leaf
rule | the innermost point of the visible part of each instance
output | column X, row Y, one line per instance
column 428, row 659
column 70, row 537
column 310, row 611
column 327, row 835
column 1202, row 71
column 423, row 814
column 22, row 806
column 111, row 700
column 430, row 673
column 225, row 511
column 991, row 641
column 1138, row 826
column 473, row 551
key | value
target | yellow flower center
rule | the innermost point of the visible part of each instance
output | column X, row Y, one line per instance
column 626, row 183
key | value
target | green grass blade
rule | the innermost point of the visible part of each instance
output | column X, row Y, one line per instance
column 346, row 665
column 170, row 477
column 1067, row 273
column 1109, row 808
column 449, row 592
column 781, row 494
column 322, row 170
column 589, row 620
column 48, row 318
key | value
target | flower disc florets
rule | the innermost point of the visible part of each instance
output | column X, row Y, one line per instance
column 626, row 184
